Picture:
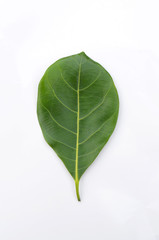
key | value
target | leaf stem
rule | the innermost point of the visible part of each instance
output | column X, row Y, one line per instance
column 77, row 189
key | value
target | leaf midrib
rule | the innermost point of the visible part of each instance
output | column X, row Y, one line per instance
column 77, row 141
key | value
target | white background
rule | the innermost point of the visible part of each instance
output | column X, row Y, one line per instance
column 120, row 190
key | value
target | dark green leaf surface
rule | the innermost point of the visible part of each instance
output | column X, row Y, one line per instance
column 77, row 109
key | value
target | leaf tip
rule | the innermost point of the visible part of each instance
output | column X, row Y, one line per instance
column 82, row 53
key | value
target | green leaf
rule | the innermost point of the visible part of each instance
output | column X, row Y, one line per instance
column 77, row 109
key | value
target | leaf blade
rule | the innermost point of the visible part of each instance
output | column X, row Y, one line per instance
column 77, row 109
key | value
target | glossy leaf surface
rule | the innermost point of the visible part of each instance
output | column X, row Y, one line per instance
column 77, row 109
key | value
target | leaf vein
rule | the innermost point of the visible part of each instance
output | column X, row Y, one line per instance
column 97, row 129
column 72, row 160
column 90, row 151
column 59, row 141
column 55, row 120
column 82, row 167
column 97, row 105
column 91, row 83
column 65, row 80
column 59, row 99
